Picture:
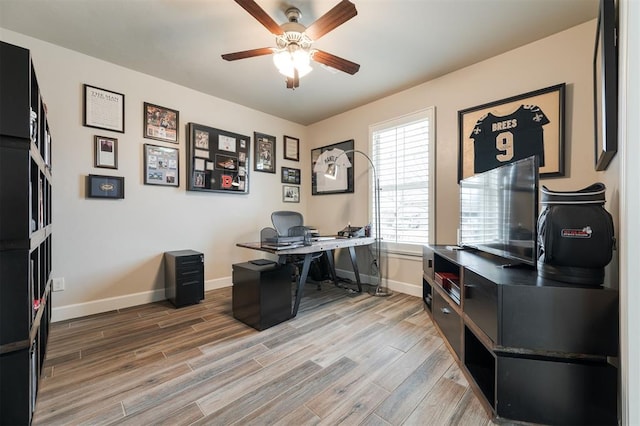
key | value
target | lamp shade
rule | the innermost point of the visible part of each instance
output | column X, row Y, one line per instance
column 289, row 59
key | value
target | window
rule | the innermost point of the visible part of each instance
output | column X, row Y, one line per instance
column 403, row 152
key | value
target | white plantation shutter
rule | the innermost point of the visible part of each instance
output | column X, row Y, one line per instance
column 403, row 152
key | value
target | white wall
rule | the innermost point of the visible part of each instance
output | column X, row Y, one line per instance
column 565, row 57
column 110, row 251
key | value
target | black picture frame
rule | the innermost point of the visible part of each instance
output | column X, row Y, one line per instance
column 264, row 159
column 160, row 123
column 105, row 152
column 320, row 184
column 605, row 85
column 217, row 160
column 290, row 194
column 109, row 187
column 161, row 165
column 537, row 105
column 290, row 175
column 291, row 148
column 103, row 109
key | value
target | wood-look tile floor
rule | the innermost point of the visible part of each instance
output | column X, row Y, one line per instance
column 350, row 359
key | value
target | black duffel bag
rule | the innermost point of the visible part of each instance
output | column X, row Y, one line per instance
column 575, row 235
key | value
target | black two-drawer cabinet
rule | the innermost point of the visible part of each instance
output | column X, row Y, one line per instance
column 184, row 277
column 261, row 294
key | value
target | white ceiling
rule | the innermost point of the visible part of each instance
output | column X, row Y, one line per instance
column 398, row 43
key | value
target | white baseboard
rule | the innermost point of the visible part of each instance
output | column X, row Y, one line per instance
column 399, row 286
column 77, row 310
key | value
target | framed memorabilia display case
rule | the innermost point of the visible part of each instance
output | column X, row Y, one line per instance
column 217, row 160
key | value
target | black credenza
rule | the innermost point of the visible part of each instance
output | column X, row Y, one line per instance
column 184, row 277
column 534, row 350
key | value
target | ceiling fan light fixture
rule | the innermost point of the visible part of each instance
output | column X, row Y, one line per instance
column 291, row 58
column 293, row 51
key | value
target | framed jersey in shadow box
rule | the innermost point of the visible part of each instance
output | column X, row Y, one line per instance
column 217, row 160
column 512, row 129
column 332, row 169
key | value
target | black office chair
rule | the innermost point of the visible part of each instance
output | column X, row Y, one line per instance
column 287, row 222
column 291, row 224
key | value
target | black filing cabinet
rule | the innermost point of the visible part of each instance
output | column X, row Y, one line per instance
column 261, row 294
column 184, row 277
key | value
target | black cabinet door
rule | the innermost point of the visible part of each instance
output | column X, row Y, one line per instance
column 449, row 322
column 481, row 303
column 550, row 392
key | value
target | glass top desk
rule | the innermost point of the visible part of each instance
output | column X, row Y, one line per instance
column 308, row 252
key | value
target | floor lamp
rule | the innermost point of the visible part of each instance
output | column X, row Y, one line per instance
column 332, row 173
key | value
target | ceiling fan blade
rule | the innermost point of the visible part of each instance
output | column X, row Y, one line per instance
column 337, row 16
column 261, row 16
column 247, row 54
column 336, row 62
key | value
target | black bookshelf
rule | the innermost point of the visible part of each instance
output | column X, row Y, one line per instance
column 25, row 234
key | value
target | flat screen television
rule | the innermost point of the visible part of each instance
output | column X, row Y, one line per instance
column 499, row 211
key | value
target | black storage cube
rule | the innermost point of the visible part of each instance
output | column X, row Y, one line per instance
column 18, row 387
column 184, row 277
column 261, row 294
column 569, row 392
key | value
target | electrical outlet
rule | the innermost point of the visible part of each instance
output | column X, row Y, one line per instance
column 57, row 284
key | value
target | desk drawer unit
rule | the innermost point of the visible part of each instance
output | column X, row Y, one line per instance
column 261, row 294
column 184, row 277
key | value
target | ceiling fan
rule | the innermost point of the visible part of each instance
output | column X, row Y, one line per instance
column 293, row 49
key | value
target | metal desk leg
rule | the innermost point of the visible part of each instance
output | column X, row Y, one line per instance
column 302, row 280
column 354, row 263
column 332, row 266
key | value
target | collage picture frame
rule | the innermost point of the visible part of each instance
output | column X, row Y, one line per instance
column 265, row 153
column 161, row 123
column 161, row 165
column 217, row 160
column 105, row 152
column 290, row 194
column 290, row 175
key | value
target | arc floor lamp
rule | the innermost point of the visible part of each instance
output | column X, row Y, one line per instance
column 332, row 173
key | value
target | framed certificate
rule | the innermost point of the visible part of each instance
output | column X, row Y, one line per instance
column 103, row 109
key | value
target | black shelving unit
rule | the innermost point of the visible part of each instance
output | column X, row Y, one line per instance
column 25, row 234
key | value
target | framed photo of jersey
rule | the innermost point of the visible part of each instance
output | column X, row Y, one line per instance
column 332, row 169
column 512, row 129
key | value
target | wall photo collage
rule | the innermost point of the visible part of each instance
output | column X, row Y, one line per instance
column 217, row 160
